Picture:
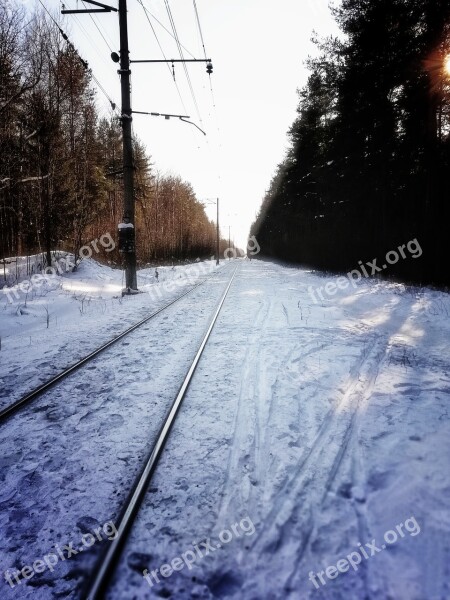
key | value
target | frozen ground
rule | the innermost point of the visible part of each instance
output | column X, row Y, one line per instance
column 309, row 428
column 65, row 318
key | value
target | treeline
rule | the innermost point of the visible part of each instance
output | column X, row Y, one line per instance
column 171, row 223
column 368, row 165
column 60, row 181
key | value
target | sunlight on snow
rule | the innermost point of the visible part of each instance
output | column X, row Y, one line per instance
column 90, row 287
column 252, row 293
column 408, row 333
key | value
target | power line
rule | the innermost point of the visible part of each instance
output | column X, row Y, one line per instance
column 204, row 51
column 94, row 78
column 83, row 62
column 180, row 50
column 99, row 30
column 164, row 27
column 199, row 28
column 90, row 40
column 210, row 83
column 49, row 14
column 162, row 51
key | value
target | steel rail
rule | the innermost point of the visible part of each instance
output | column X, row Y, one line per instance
column 13, row 408
column 97, row 585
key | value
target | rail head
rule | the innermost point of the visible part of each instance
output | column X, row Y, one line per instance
column 99, row 582
column 10, row 410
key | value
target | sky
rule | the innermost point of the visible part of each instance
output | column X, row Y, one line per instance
column 258, row 49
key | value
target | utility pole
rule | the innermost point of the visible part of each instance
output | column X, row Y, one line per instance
column 128, row 165
column 218, row 235
column 126, row 229
column 229, row 240
column 210, row 201
column 129, row 249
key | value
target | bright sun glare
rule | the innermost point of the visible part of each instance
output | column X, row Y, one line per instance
column 447, row 64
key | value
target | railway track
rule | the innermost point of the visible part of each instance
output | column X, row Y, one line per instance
column 13, row 408
column 96, row 587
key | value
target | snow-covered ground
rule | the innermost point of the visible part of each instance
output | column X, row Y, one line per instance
column 65, row 317
column 312, row 435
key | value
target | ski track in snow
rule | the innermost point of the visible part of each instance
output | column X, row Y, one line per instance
column 325, row 424
column 290, row 450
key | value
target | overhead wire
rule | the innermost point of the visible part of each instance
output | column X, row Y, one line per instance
column 204, row 50
column 165, row 28
column 180, row 50
column 199, row 28
column 165, row 58
column 83, row 62
column 89, row 39
column 49, row 13
column 94, row 78
column 202, row 39
column 99, row 30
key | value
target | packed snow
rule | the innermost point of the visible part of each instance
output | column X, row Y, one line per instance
column 315, row 432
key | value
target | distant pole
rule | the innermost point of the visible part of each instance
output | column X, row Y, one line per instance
column 217, row 248
column 229, row 241
column 128, row 166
